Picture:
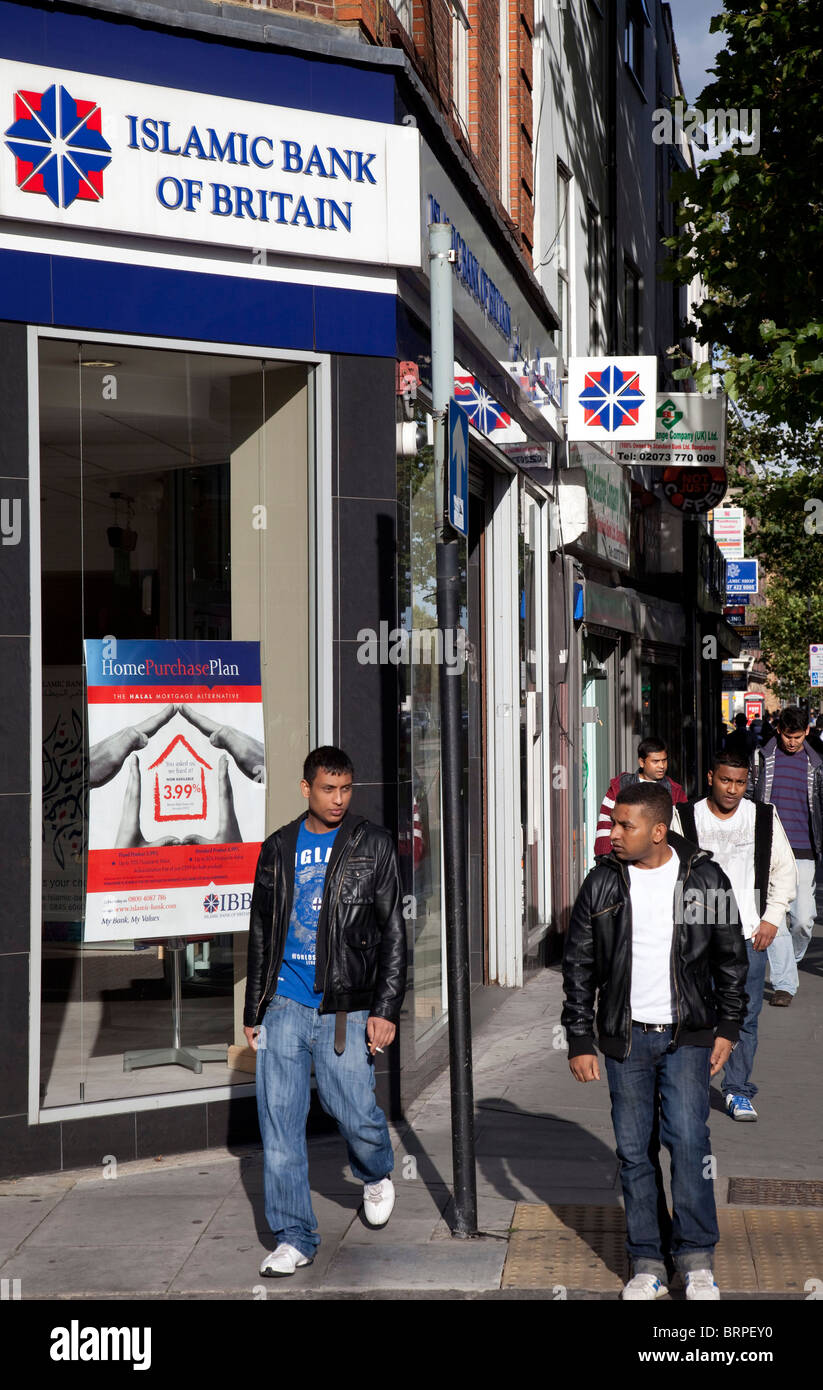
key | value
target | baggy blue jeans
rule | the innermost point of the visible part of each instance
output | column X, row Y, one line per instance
column 738, row 1070
column 291, row 1036
column 657, row 1096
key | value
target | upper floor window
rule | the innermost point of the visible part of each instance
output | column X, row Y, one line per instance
column 562, row 255
column 404, row 11
column 637, row 21
column 460, row 61
column 503, row 103
column 632, row 297
column 593, row 276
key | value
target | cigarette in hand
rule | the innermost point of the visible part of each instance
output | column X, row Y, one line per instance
column 378, row 1049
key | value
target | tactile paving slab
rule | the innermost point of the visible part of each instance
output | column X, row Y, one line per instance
column 583, row 1247
column 775, row 1192
column 578, row 1247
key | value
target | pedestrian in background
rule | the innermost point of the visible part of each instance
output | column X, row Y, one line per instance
column 788, row 773
column 750, row 845
column 653, row 762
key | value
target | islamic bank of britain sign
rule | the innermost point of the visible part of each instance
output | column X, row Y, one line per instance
column 96, row 153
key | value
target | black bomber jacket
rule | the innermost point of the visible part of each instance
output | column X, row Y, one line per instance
column 361, row 934
column 708, row 961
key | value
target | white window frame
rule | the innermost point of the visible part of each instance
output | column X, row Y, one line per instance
column 563, row 259
column 404, row 9
column 460, row 63
column 321, row 690
column 593, row 220
column 503, row 94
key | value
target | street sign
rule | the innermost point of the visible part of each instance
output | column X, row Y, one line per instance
column 458, row 428
column 736, row 615
column 741, row 577
column 754, row 707
column 816, row 664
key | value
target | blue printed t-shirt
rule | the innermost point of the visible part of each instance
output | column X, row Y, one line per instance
column 296, row 978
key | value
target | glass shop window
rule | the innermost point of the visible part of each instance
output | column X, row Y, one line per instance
column 154, row 467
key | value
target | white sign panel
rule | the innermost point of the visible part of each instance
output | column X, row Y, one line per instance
column 689, row 430
column 612, row 398
column 816, row 659
column 728, row 525
column 78, row 150
column 176, row 773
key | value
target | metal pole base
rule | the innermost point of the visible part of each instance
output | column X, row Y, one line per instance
column 191, row 1057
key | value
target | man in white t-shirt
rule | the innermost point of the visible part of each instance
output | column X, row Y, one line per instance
column 654, row 939
column 750, row 845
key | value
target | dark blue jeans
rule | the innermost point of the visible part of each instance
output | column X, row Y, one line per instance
column 739, row 1067
column 661, row 1096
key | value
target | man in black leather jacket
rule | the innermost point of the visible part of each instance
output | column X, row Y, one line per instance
column 655, row 936
column 325, row 982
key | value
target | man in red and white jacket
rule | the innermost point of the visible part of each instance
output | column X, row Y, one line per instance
column 653, row 760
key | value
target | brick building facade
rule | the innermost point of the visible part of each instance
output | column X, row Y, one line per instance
column 495, row 128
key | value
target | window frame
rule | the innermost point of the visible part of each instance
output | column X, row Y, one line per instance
column 632, row 276
column 321, row 689
column 460, row 30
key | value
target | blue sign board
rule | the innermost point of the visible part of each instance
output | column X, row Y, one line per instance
column 741, row 577
column 458, row 428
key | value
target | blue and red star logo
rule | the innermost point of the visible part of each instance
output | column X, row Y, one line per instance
column 211, row 903
column 611, row 398
column 58, row 145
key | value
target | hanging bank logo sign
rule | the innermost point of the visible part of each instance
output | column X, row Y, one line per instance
column 612, row 398
column 93, row 152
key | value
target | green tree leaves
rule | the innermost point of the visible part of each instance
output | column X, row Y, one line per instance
column 751, row 219
column 777, row 477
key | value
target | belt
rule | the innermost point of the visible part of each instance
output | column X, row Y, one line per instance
column 651, row 1027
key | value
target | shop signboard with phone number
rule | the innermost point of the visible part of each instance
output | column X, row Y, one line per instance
column 690, row 431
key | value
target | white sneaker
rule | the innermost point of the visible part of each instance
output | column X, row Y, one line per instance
column 644, row 1286
column 700, row 1286
column 378, row 1201
column 282, row 1261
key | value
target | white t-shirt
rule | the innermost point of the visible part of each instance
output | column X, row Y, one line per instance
column 652, row 895
column 731, row 842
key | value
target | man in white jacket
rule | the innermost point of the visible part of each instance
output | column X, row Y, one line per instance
column 750, row 845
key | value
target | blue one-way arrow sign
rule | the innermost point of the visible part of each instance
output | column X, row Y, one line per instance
column 458, row 427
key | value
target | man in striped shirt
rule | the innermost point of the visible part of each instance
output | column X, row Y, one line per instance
column 789, row 773
column 653, row 760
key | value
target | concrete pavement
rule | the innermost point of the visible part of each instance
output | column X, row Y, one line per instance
column 193, row 1226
